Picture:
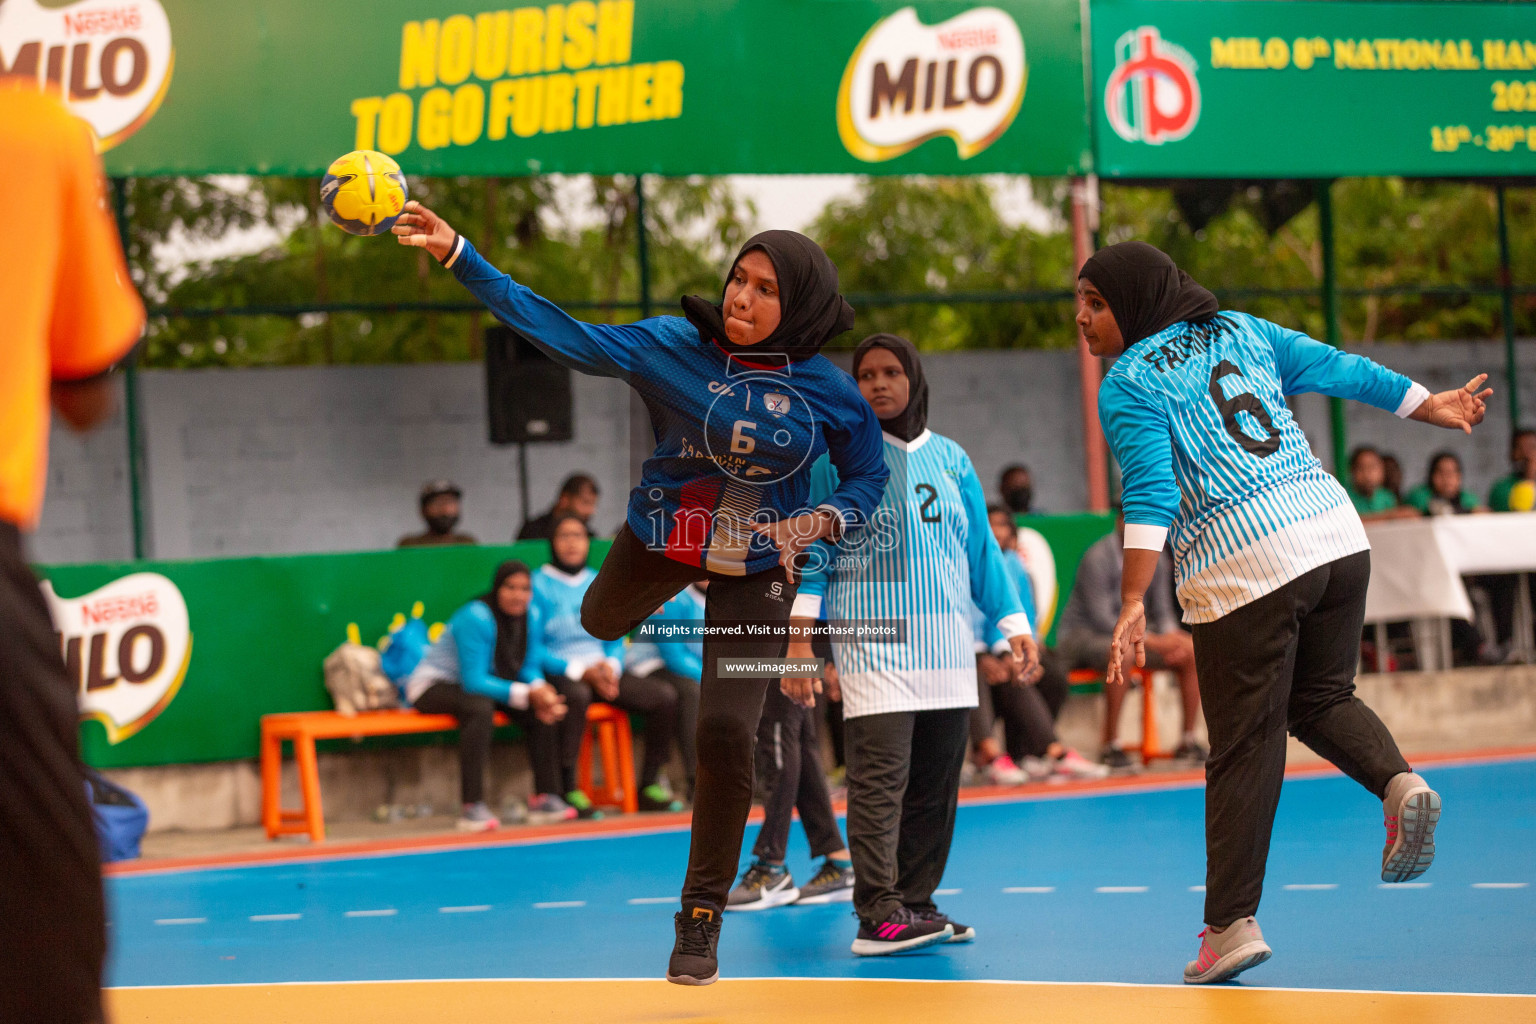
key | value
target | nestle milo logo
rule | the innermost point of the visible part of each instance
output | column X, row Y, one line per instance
column 110, row 60
column 126, row 646
column 908, row 82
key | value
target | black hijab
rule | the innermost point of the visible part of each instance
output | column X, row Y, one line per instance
column 1146, row 292
column 511, row 630
column 912, row 420
column 812, row 312
column 573, row 568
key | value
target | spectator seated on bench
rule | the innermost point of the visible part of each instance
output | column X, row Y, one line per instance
column 679, row 664
column 585, row 668
column 490, row 658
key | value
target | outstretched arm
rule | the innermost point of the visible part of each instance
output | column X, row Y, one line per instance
column 600, row 349
column 1458, row 409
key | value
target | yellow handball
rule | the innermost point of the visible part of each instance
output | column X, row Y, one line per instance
column 363, row 192
column 1522, row 497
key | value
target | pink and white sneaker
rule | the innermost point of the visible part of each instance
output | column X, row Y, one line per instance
column 1412, row 810
column 1003, row 772
column 1225, row 955
column 1071, row 766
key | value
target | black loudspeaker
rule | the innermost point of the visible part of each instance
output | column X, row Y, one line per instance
column 528, row 394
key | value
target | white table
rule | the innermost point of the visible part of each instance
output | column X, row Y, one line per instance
column 1417, row 567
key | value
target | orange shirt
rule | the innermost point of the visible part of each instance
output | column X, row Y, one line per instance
column 67, row 308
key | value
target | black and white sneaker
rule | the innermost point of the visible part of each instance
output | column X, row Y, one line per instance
column 963, row 932
column 830, row 884
column 693, row 955
column 902, row 931
column 1116, row 760
column 762, row 887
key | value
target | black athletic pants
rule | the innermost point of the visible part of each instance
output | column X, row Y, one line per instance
column 552, row 749
column 1286, row 660
column 687, row 691
column 52, row 916
column 903, row 785
column 1028, row 712
column 790, row 775
column 633, row 582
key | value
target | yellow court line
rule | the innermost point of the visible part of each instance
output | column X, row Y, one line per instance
column 798, row 1000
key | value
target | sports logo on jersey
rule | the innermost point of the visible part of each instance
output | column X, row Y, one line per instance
column 776, row 403
column 908, row 82
column 1152, row 95
column 126, row 646
column 776, row 590
column 717, row 388
column 109, row 60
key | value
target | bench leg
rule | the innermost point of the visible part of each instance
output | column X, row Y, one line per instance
column 309, row 787
column 613, row 792
column 1151, row 746
column 271, row 783
column 584, row 764
column 628, row 794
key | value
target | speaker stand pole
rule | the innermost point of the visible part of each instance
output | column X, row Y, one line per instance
column 522, row 476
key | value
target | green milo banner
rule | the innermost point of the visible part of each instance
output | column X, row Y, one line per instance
column 1249, row 88
column 603, row 86
column 176, row 662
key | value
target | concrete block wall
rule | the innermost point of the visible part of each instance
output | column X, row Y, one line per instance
column 302, row 459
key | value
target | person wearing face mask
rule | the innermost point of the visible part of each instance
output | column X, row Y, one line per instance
column 1016, row 485
column 440, row 505
column 741, row 405
column 1270, row 556
column 907, row 704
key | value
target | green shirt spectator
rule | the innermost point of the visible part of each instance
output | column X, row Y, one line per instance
column 1522, row 452
column 1423, row 499
column 1379, row 500
column 1442, row 493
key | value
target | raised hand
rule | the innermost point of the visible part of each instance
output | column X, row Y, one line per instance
column 1457, row 409
column 424, row 229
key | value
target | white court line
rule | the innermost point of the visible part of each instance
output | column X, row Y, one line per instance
column 181, row 920
column 1500, row 885
column 1403, row 885
column 947, row 892
column 1310, row 886
column 476, row 909
column 640, row 901
column 1030, row 888
column 1121, row 888
column 558, row 904
column 276, row 917
column 1197, row 888
column 386, row 912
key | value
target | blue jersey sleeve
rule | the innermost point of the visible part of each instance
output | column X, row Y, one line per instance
column 1139, row 433
column 991, row 587
column 474, row 630
column 680, row 657
column 857, row 450
column 600, row 349
column 549, row 663
column 1308, row 365
column 533, row 659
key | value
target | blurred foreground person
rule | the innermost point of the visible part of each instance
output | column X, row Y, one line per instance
column 67, row 314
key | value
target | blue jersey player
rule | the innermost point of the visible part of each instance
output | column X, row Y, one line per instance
column 1272, row 561
column 742, row 405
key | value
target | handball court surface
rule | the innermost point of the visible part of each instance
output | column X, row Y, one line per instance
column 1086, row 901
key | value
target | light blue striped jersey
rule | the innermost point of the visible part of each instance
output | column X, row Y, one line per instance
column 927, row 553
column 683, row 657
column 1207, row 446
column 568, row 650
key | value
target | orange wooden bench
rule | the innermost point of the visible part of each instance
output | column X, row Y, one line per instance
column 1088, row 681
column 303, row 728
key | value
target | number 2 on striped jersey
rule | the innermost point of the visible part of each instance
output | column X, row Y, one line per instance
column 1243, row 402
column 927, row 510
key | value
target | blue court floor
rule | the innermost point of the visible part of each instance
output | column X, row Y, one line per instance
column 1092, row 888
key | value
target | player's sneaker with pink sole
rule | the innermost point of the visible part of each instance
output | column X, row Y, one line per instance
column 1003, row 772
column 1225, row 955
column 1412, row 811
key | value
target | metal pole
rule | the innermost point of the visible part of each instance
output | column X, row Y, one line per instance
column 644, row 255
column 131, row 393
column 1095, row 450
column 522, row 475
column 1507, row 290
column 1331, row 317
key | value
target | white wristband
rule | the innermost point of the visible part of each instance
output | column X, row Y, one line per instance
column 1145, row 536
column 1417, row 395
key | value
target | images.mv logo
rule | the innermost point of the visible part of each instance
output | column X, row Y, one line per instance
column 1152, row 95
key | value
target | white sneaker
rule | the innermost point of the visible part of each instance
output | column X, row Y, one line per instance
column 1003, row 772
column 1038, row 768
column 478, row 818
column 1072, row 765
column 1223, row 957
